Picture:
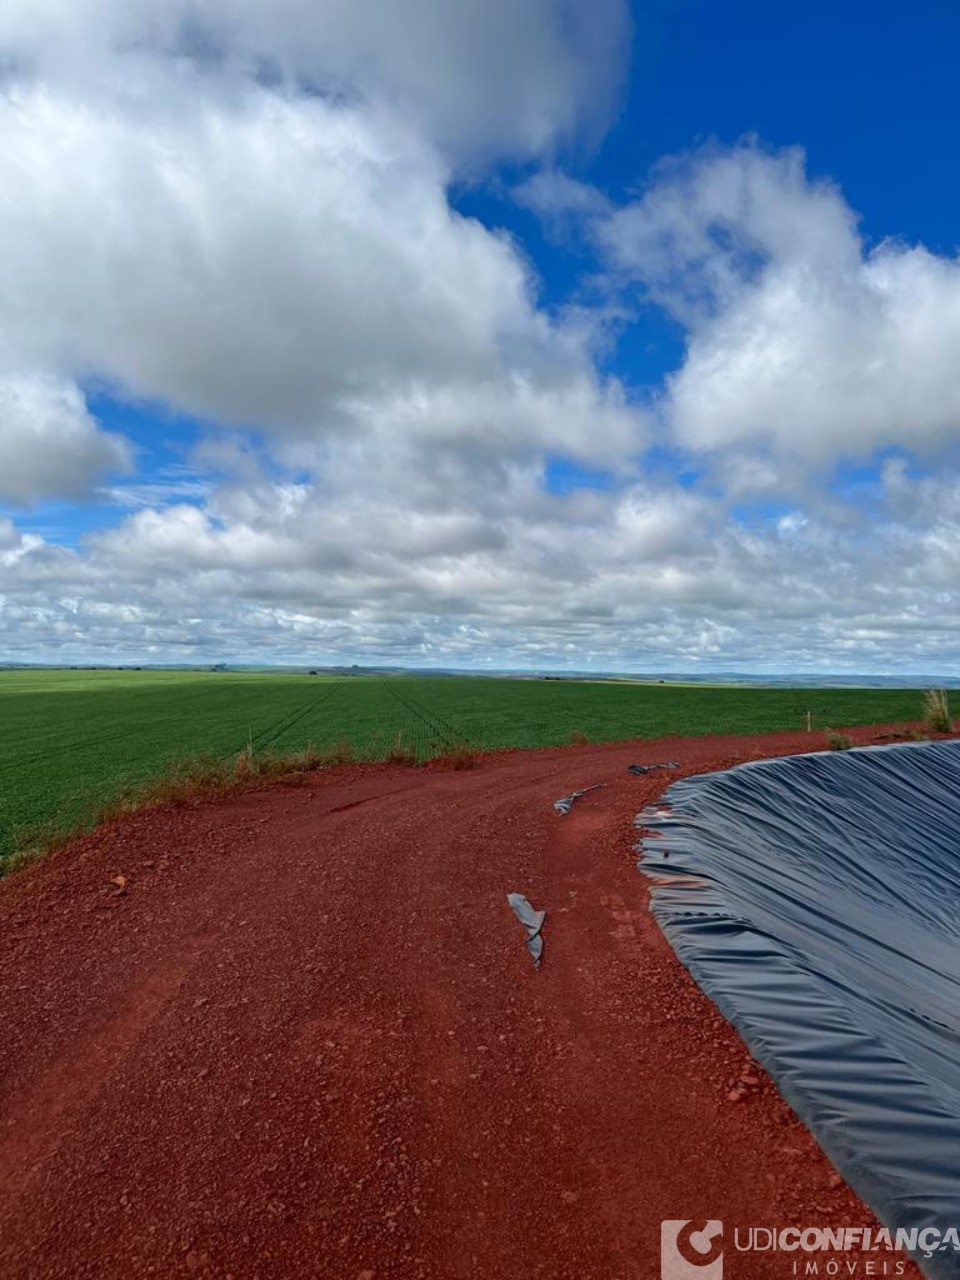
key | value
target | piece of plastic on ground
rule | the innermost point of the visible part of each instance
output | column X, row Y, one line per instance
column 565, row 803
column 640, row 769
column 532, row 921
column 816, row 900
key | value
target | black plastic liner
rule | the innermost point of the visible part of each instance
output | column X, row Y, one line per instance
column 816, row 900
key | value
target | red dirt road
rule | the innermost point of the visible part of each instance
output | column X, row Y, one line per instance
column 305, row 1039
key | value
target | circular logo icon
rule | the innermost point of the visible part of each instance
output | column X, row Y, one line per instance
column 700, row 1243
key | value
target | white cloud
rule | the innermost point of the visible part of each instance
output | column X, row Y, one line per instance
column 255, row 262
column 639, row 576
column 561, row 202
column 479, row 77
column 284, row 263
column 245, row 215
column 181, row 224
column 801, row 340
column 49, row 444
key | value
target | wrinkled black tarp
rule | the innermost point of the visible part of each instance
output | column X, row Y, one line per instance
column 816, row 899
column 532, row 921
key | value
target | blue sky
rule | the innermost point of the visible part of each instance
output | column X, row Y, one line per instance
column 866, row 89
column 521, row 335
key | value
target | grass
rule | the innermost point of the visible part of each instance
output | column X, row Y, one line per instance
column 75, row 742
column 400, row 753
column 186, row 782
column 936, row 711
column 459, row 757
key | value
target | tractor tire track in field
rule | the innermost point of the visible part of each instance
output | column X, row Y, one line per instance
column 267, row 737
column 296, row 1035
column 59, row 747
column 446, row 733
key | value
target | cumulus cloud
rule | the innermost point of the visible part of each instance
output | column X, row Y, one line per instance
column 49, row 443
column 561, row 202
column 513, row 576
column 245, row 216
column 479, row 77
column 800, row 339
column 258, row 262
column 262, row 255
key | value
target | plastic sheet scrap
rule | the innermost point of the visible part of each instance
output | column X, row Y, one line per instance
column 565, row 804
column 640, row 769
column 816, row 900
column 532, row 921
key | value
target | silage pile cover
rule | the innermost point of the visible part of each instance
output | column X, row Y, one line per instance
column 816, row 899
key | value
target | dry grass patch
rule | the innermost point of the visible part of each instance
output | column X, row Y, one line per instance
column 186, row 782
column 460, row 757
column 936, row 711
column 400, row 753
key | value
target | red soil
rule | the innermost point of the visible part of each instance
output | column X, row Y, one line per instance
column 298, row 1034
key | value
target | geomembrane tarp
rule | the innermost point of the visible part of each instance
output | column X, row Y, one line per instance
column 816, row 900
column 532, row 920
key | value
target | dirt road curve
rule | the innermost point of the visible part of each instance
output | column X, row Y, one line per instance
column 305, row 1039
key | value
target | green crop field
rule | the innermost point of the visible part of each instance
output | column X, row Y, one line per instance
column 72, row 740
